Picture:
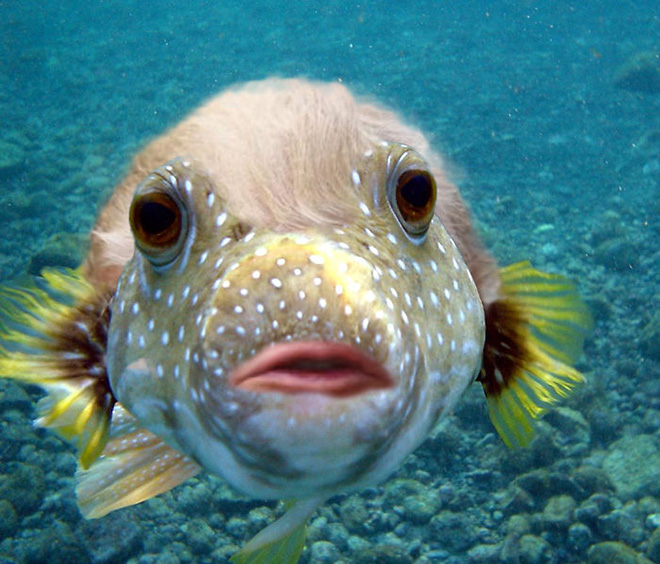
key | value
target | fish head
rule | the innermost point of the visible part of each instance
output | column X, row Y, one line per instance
column 294, row 362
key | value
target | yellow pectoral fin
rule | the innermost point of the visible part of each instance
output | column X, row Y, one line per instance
column 53, row 334
column 534, row 331
column 281, row 542
column 134, row 466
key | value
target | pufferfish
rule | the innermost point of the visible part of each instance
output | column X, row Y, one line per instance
column 285, row 291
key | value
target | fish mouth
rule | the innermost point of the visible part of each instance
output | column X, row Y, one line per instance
column 321, row 367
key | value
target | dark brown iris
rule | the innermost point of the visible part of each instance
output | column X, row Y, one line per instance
column 415, row 199
column 158, row 222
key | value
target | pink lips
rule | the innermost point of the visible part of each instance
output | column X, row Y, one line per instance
column 328, row 368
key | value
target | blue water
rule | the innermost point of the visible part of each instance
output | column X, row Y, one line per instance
column 557, row 160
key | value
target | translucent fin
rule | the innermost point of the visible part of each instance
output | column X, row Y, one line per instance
column 54, row 335
column 135, row 466
column 534, row 332
column 281, row 542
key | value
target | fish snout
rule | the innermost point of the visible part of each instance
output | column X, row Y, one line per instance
column 300, row 312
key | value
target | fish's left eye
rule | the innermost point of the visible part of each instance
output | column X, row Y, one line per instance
column 158, row 221
column 413, row 201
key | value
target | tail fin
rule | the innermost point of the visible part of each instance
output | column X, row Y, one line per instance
column 54, row 335
column 534, row 333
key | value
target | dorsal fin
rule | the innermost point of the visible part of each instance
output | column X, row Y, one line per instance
column 54, row 335
column 534, row 332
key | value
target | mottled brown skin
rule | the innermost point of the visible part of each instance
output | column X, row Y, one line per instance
column 276, row 185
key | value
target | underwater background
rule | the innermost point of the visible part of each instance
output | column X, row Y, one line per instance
column 549, row 113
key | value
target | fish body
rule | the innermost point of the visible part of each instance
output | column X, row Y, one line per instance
column 296, row 297
column 188, row 340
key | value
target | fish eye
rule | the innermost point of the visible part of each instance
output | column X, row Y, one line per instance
column 413, row 201
column 158, row 221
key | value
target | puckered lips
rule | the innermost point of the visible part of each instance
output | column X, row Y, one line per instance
column 329, row 368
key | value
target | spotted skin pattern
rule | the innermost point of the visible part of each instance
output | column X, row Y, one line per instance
column 178, row 331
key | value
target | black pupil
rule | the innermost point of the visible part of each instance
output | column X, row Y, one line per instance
column 417, row 191
column 156, row 218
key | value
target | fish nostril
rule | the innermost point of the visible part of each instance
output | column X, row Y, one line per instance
column 240, row 230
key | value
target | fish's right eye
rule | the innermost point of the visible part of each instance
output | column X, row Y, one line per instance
column 158, row 222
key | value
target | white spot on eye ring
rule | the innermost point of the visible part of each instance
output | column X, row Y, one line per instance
column 365, row 209
column 355, row 176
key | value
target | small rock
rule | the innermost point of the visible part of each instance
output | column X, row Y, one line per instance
column 533, row 550
column 453, row 531
column 579, row 537
column 121, row 536
column 558, row 512
column 354, row 514
column 24, row 486
column 13, row 396
column 484, row 554
column 620, row 525
column 55, row 544
column 653, row 521
column 633, row 466
column 653, row 548
column 518, row 525
column 324, row 552
column 8, row 519
column 592, row 480
column 517, row 500
column 200, row 538
column 640, row 73
column 61, row 250
column 611, row 552
column 536, row 482
column 616, row 254
column 592, row 508
column 237, row 527
column 382, row 554
column 419, row 509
